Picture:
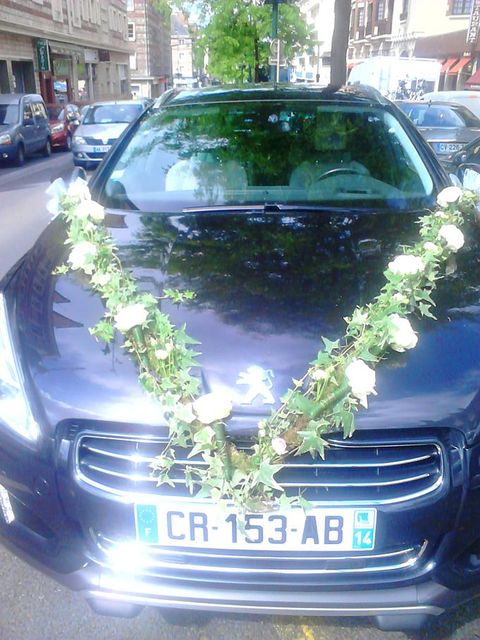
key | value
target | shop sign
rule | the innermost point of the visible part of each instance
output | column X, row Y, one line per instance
column 43, row 56
column 474, row 24
column 91, row 55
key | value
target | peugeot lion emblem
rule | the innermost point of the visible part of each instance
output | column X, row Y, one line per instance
column 259, row 383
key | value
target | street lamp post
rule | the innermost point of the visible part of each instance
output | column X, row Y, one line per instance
column 274, row 69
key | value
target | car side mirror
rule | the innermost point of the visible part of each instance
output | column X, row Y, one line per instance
column 28, row 122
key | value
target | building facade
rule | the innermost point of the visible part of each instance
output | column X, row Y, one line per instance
column 150, row 58
column 67, row 50
column 314, row 64
column 420, row 29
column 182, row 50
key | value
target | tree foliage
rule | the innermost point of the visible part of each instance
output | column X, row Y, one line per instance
column 234, row 37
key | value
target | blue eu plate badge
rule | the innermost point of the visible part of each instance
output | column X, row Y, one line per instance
column 364, row 529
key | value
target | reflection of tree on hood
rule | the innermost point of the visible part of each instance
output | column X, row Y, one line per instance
column 277, row 273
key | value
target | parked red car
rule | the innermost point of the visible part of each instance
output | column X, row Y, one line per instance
column 64, row 119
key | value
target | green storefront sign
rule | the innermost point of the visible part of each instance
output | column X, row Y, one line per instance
column 43, row 56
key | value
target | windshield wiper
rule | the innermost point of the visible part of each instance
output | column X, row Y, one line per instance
column 274, row 207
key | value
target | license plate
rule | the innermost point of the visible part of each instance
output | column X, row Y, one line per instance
column 320, row 529
column 101, row 149
column 447, row 147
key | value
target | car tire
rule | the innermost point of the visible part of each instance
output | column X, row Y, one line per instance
column 47, row 149
column 19, row 159
column 68, row 143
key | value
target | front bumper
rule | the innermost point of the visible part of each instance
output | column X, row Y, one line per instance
column 8, row 151
column 60, row 520
column 86, row 153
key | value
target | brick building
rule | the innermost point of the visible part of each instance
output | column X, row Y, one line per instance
column 182, row 49
column 65, row 49
column 417, row 28
column 150, row 58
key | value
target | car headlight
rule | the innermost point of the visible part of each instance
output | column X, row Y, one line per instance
column 15, row 412
column 57, row 128
column 5, row 138
column 78, row 140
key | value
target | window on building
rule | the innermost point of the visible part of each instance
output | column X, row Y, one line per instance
column 57, row 10
column 130, row 5
column 380, row 10
column 361, row 17
column 404, row 13
column 131, row 31
column 133, row 61
column 461, row 7
column 85, row 10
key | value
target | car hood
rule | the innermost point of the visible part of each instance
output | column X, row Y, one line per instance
column 267, row 288
column 102, row 131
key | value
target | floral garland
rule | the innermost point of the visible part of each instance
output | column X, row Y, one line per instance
column 325, row 399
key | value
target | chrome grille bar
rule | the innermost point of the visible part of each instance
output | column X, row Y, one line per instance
column 353, row 472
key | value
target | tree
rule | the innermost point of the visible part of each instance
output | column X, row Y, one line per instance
column 235, row 35
column 338, row 70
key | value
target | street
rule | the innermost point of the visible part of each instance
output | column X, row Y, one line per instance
column 33, row 607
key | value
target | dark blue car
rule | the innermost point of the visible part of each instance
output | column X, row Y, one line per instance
column 24, row 127
column 280, row 207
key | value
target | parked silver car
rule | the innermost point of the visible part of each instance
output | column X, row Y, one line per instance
column 102, row 125
column 447, row 126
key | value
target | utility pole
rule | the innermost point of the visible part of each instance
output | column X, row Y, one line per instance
column 275, row 69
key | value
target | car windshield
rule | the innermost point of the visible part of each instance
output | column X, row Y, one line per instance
column 244, row 153
column 112, row 113
column 8, row 113
column 55, row 113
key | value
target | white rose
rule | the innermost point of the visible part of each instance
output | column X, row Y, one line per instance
column 101, row 279
column 452, row 236
column 318, row 374
column 406, row 265
column 361, row 379
column 279, row 446
column 79, row 189
column 130, row 316
column 402, row 336
column 81, row 256
column 90, row 209
column 431, row 246
column 212, row 407
column 449, row 196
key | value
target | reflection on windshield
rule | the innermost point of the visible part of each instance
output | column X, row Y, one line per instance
column 8, row 113
column 271, row 152
column 112, row 113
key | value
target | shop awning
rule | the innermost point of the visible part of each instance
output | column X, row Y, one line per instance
column 459, row 66
column 446, row 65
column 474, row 79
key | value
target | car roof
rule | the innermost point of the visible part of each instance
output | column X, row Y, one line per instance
column 14, row 98
column 106, row 103
column 267, row 92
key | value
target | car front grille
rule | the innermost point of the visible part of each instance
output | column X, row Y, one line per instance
column 98, row 141
column 358, row 470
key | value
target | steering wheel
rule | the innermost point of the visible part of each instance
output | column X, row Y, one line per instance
column 342, row 170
